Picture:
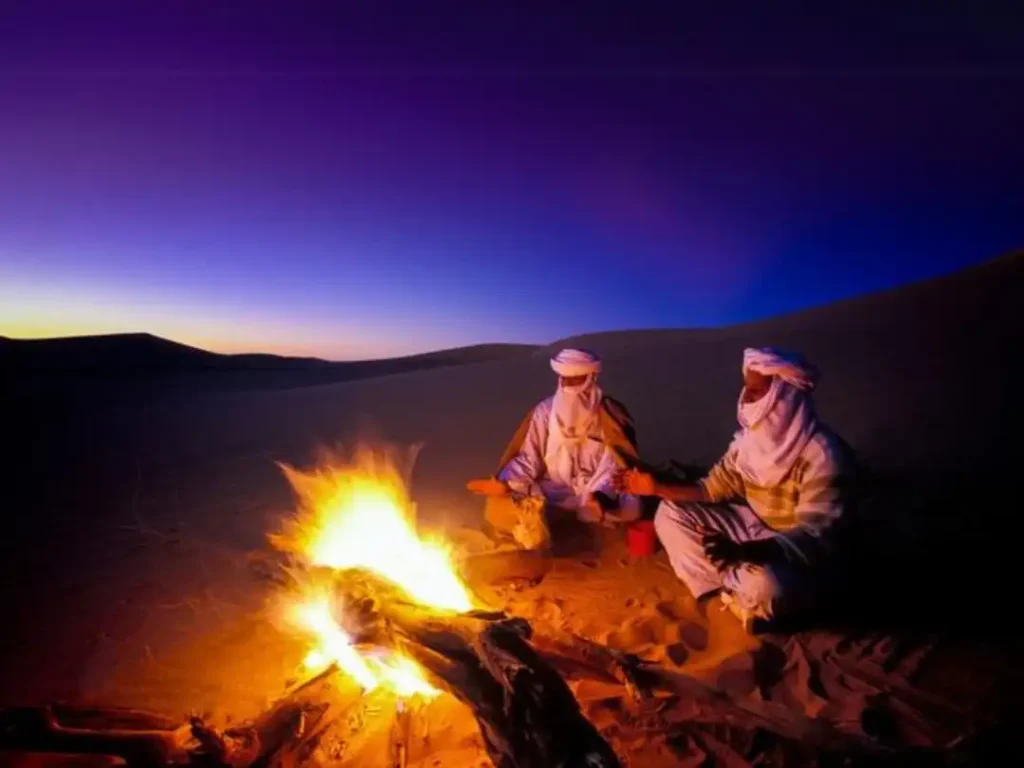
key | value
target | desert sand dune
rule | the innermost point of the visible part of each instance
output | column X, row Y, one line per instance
column 128, row 523
column 135, row 367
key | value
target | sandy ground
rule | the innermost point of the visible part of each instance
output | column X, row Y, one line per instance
column 132, row 526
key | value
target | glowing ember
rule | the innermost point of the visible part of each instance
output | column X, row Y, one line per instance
column 359, row 516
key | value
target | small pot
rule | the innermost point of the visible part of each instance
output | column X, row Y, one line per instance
column 641, row 538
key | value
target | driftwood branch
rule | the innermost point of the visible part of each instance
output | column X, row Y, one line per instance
column 139, row 738
column 526, row 713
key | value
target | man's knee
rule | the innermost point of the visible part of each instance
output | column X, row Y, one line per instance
column 501, row 513
column 675, row 531
column 676, row 516
column 525, row 520
column 666, row 519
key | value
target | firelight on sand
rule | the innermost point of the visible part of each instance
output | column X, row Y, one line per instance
column 359, row 515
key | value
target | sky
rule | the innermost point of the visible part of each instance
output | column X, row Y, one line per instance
column 354, row 180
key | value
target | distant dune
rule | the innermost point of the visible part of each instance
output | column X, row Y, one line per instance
column 104, row 365
column 128, row 352
column 144, row 352
column 987, row 287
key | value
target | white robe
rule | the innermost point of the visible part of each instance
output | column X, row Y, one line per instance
column 565, row 474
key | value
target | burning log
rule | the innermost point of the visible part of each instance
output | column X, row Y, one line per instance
column 373, row 610
column 526, row 712
column 400, row 736
column 576, row 657
column 326, row 719
column 284, row 735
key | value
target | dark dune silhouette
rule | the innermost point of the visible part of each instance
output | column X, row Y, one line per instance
column 105, row 366
column 146, row 353
column 130, row 352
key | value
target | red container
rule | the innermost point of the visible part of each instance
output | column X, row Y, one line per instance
column 641, row 538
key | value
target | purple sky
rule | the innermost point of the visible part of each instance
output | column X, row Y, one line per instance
column 308, row 180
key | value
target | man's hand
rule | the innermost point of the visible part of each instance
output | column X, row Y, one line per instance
column 606, row 502
column 722, row 551
column 590, row 510
column 636, row 483
column 599, row 507
column 490, row 486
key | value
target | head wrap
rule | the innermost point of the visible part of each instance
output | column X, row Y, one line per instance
column 575, row 412
column 788, row 366
column 576, row 362
column 775, row 429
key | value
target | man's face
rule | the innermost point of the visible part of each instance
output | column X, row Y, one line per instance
column 755, row 386
column 572, row 381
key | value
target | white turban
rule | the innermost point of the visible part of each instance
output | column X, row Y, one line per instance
column 788, row 366
column 574, row 412
column 776, row 428
column 576, row 362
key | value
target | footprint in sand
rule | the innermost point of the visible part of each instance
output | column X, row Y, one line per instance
column 659, row 630
column 634, row 635
column 693, row 635
column 668, row 610
column 677, row 653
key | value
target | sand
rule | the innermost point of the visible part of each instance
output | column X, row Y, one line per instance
column 134, row 527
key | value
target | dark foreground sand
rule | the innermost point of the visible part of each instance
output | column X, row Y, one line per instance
column 132, row 529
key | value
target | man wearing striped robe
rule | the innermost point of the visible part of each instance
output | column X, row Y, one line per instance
column 760, row 526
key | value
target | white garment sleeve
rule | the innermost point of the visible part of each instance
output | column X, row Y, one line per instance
column 526, row 468
column 604, row 476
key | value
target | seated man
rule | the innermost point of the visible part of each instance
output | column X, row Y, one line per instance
column 568, row 453
column 785, row 473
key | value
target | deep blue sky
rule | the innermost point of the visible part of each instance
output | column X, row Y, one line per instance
column 299, row 178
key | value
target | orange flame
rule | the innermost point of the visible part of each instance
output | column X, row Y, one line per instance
column 358, row 515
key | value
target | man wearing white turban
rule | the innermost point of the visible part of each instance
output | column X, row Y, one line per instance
column 759, row 527
column 568, row 451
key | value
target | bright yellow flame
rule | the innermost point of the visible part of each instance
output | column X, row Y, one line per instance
column 334, row 644
column 363, row 527
column 358, row 516
column 402, row 674
column 316, row 660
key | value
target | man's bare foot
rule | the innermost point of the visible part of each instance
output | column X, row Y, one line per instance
column 704, row 600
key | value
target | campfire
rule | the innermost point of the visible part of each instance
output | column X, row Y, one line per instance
column 358, row 516
column 385, row 608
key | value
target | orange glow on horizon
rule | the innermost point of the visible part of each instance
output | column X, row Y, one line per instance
column 225, row 343
column 28, row 311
